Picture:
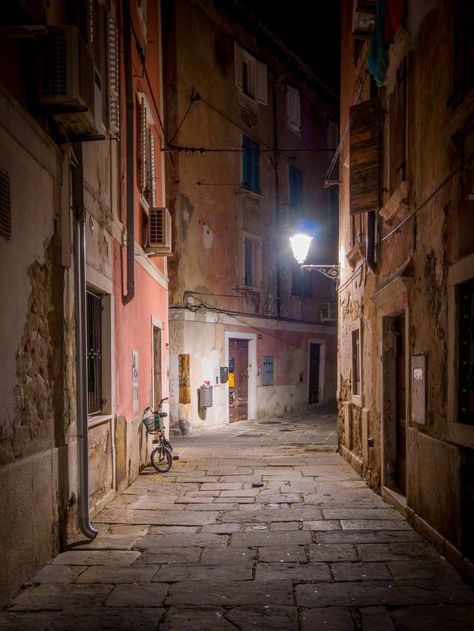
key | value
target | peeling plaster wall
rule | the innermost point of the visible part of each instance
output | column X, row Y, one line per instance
column 30, row 321
column 412, row 278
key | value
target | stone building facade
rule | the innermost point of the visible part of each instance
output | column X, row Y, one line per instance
column 249, row 130
column 406, row 415
column 81, row 187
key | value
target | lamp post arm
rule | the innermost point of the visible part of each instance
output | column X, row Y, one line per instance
column 330, row 271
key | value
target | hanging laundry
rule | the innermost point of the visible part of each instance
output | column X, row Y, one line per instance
column 378, row 55
column 394, row 10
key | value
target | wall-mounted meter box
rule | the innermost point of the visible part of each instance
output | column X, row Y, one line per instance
column 224, row 374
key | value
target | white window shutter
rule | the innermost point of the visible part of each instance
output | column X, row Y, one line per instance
column 238, row 64
column 114, row 80
column 261, row 91
column 152, row 168
column 142, row 166
column 293, row 107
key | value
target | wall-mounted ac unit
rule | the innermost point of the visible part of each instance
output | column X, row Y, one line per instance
column 327, row 312
column 159, row 232
column 68, row 88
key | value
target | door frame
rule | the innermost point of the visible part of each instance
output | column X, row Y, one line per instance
column 252, row 370
column 322, row 366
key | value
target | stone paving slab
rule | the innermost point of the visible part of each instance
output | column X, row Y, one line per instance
column 163, row 542
column 156, row 517
column 233, row 572
column 360, row 571
column 395, row 551
column 227, row 556
column 443, row 617
column 394, row 593
column 58, row 597
column 297, row 572
column 332, row 552
column 268, row 618
column 108, row 618
column 114, row 574
column 58, row 574
column 96, row 557
column 266, row 538
column 282, row 554
column 14, row 621
column 231, row 593
column 133, row 595
column 328, row 618
column 170, row 555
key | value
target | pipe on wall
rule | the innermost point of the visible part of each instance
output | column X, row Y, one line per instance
column 80, row 312
column 129, row 158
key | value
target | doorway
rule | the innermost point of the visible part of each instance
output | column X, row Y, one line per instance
column 313, row 379
column 157, row 377
column 238, row 379
column 394, row 402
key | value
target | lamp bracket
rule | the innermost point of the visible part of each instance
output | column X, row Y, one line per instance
column 330, row 271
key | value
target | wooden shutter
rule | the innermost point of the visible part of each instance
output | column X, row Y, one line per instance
column 364, row 156
column 114, row 80
column 238, row 64
column 261, row 80
column 293, row 107
column 142, row 141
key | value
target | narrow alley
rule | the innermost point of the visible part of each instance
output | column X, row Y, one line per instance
column 259, row 525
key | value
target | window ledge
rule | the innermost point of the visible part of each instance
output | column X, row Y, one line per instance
column 396, row 203
column 99, row 419
column 249, row 193
column 356, row 254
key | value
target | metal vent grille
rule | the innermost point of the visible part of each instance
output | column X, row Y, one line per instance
column 55, row 64
column 157, row 228
column 5, row 208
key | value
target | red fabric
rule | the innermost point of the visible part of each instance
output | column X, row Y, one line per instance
column 394, row 10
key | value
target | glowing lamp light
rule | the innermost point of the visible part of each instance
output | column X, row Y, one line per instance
column 300, row 245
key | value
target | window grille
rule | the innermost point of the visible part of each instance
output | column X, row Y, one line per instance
column 94, row 353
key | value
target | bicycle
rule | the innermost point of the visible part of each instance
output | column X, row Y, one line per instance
column 162, row 454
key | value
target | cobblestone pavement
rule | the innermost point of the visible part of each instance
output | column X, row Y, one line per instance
column 258, row 526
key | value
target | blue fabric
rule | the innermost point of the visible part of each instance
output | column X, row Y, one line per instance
column 378, row 55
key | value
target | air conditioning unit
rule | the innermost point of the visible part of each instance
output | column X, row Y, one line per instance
column 327, row 312
column 69, row 90
column 159, row 232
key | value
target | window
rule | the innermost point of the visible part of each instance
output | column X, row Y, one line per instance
column 295, row 185
column 356, row 364
column 250, row 75
column 146, row 153
column 364, row 140
column 293, row 108
column 250, row 165
column 94, row 353
column 466, row 352
column 396, row 149
column 251, row 258
column 301, row 282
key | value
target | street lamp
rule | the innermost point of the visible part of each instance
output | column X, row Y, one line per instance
column 300, row 246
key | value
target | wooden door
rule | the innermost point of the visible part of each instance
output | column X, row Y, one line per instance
column 313, row 385
column 238, row 379
column 400, row 400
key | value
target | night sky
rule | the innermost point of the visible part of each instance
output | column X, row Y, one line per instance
column 312, row 30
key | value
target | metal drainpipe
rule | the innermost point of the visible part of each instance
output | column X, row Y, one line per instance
column 370, row 240
column 80, row 308
column 277, row 194
column 129, row 159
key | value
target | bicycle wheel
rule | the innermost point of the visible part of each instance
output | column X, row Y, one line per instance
column 161, row 459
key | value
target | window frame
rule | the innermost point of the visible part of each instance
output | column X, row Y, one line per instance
column 356, row 357
column 459, row 273
column 253, row 85
column 147, row 155
column 295, row 186
column 293, row 108
column 256, row 261
column 251, row 165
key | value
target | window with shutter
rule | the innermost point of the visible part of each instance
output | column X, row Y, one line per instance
column 142, row 145
column 250, row 75
column 250, row 165
column 397, row 131
column 251, row 261
column 114, row 79
column 293, row 108
column 364, row 156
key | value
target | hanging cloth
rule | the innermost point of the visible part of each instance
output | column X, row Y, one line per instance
column 393, row 18
column 378, row 55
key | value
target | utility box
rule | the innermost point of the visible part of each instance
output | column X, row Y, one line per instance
column 205, row 396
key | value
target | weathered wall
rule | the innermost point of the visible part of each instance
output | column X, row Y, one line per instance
column 30, row 319
column 420, row 247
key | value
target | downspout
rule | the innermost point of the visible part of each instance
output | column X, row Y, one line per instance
column 370, row 240
column 277, row 195
column 80, row 312
column 129, row 158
